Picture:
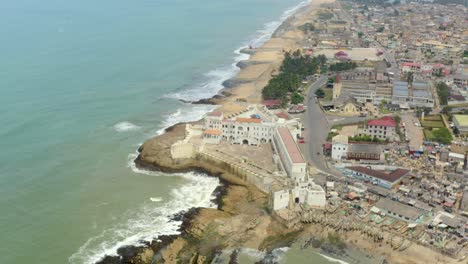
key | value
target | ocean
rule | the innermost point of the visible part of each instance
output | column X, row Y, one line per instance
column 82, row 85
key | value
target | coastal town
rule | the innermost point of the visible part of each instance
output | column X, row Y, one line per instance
column 352, row 117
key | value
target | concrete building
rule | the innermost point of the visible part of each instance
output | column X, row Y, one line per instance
column 306, row 193
column 339, row 147
column 290, row 155
column 416, row 95
column 363, row 151
column 461, row 122
column 383, row 178
column 460, row 80
column 253, row 126
column 382, row 128
column 399, row 211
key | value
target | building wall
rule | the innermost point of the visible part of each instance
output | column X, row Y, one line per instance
column 461, row 128
column 182, row 150
column 339, row 150
column 380, row 132
column 211, row 139
column 316, row 198
column 296, row 171
column 280, row 199
column 376, row 181
column 254, row 133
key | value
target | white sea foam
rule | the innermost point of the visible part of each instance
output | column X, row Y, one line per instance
column 185, row 113
column 150, row 221
column 214, row 79
column 156, row 199
column 125, row 126
column 334, row 259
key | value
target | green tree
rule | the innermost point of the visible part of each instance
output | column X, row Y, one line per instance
column 342, row 66
column 446, row 110
column 360, row 34
column 442, row 135
column 297, row 98
column 293, row 70
column 409, row 77
column 320, row 93
column 443, row 92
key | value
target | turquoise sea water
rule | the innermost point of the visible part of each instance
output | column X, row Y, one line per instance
column 82, row 84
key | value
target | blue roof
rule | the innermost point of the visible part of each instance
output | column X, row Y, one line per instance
column 400, row 88
column 421, row 93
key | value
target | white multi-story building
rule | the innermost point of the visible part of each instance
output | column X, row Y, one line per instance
column 290, row 155
column 382, row 128
column 253, row 126
column 339, row 147
column 257, row 125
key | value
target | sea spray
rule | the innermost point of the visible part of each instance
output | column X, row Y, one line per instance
column 125, row 126
column 151, row 220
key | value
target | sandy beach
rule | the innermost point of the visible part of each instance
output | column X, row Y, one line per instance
column 265, row 60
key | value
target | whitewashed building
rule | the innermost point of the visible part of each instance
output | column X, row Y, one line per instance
column 382, row 128
column 339, row 147
column 253, row 126
column 257, row 125
column 306, row 193
column 291, row 157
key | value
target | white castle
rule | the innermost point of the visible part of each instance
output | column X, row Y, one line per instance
column 257, row 125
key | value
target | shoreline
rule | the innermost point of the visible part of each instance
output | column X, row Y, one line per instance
column 254, row 72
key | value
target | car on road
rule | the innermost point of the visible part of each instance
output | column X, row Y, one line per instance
column 301, row 141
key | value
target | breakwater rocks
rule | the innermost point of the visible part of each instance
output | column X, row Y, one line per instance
column 155, row 156
column 245, row 63
column 231, row 83
column 149, row 251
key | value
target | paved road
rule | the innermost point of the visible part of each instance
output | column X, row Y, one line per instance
column 316, row 127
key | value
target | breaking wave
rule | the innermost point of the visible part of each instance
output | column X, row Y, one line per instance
column 214, row 79
column 150, row 221
column 125, row 126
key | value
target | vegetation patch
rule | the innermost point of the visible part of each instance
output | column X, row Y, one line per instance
column 294, row 69
column 443, row 92
column 432, row 124
column 325, row 15
column 342, row 66
column 432, row 121
column 441, row 135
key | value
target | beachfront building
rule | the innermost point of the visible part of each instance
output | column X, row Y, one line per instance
column 381, row 176
column 305, row 193
column 339, row 147
column 253, row 126
column 382, row 128
column 290, row 155
column 258, row 125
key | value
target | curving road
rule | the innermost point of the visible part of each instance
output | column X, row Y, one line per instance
column 316, row 127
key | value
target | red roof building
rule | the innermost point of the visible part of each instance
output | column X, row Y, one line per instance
column 385, row 121
column 272, row 103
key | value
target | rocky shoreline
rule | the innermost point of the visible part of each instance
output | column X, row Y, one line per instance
column 242, row 218
column 155, row 156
